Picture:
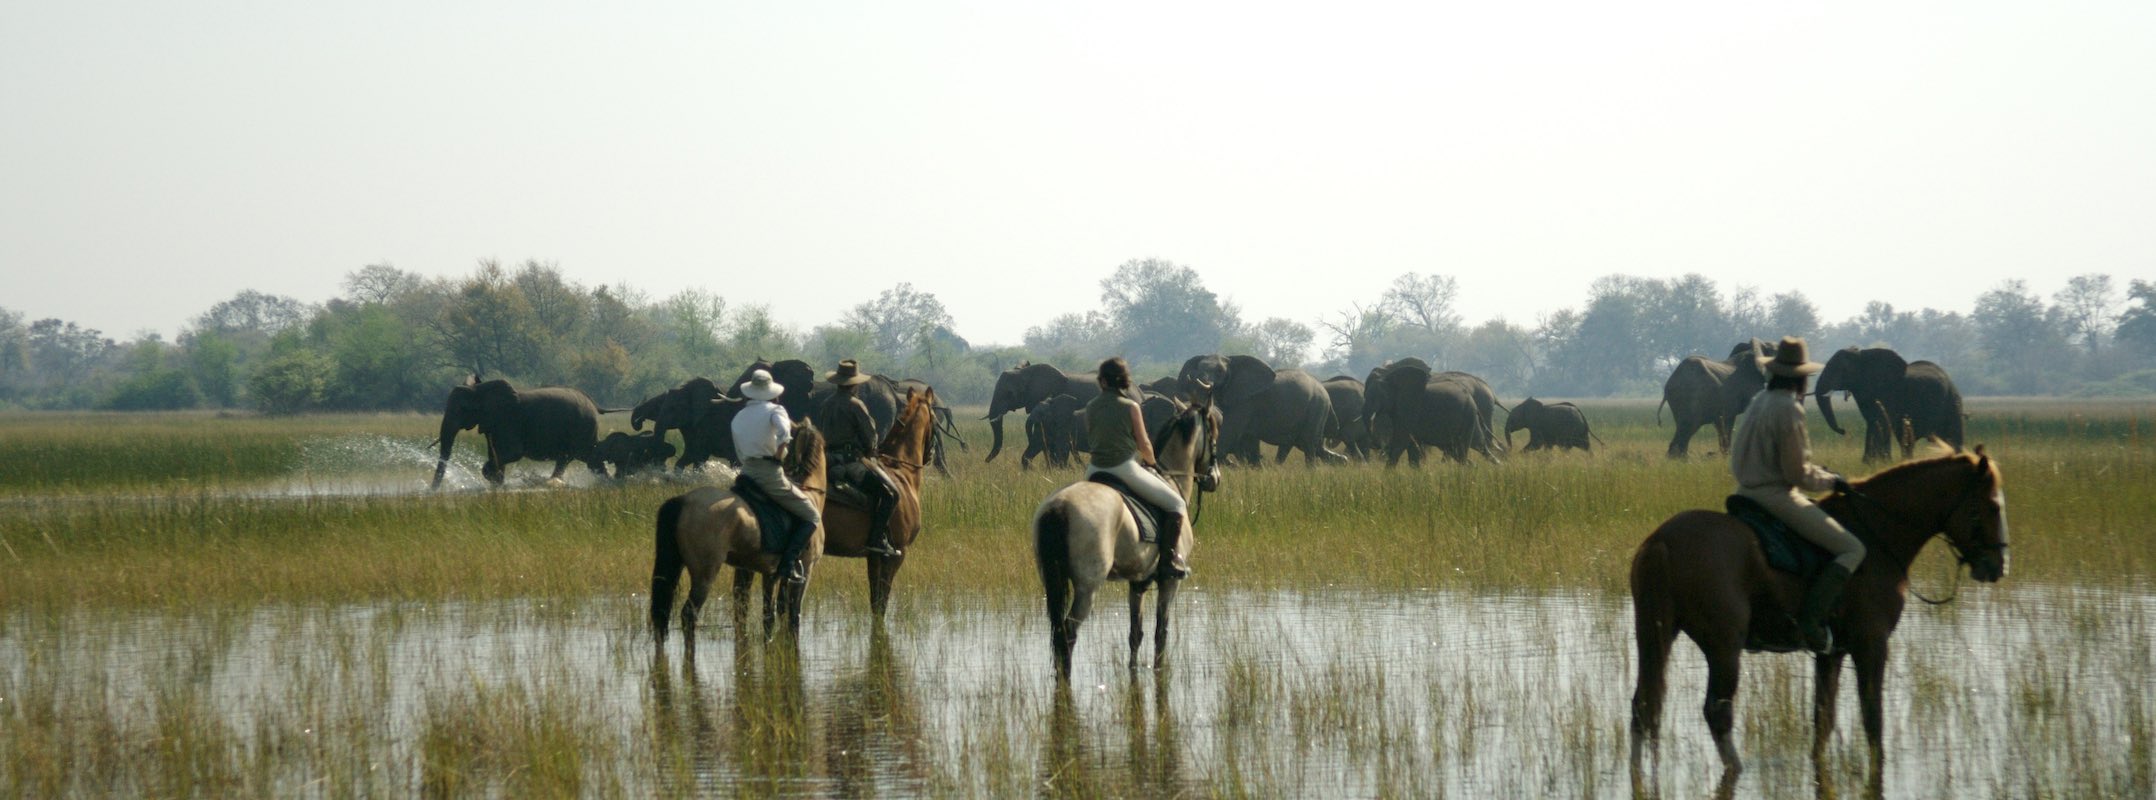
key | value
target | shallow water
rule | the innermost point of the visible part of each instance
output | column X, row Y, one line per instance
column 2012, row 691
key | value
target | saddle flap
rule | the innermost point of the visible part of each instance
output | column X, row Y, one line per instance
column 1147, row 517
column 773, row 523
column 1785, row 549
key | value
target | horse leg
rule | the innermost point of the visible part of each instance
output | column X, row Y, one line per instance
column 790, row 596
column 1081, row 606
column 1721, row 708
column 771, row 610
column 882, row 572
column 700, row 579
column 1137, row 620
column 1871, row 679
column 1654, row 637
column 1826, row 686
column 1160, row 622
column 744, row 580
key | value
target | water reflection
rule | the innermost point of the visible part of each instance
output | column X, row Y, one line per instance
column 1358, row 693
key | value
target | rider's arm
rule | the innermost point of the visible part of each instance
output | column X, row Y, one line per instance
column 1796, row 454
column 1145, row 441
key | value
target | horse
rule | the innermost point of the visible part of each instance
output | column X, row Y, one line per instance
column 1083, row 536
column 709, row 527
column 1703, row 573
column 902, row 455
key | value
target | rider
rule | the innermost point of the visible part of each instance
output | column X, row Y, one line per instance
column 1771, row 459
column 1115, row 427
column 850, row 438
column 761, row 431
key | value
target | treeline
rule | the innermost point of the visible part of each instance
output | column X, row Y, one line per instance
column 395, row 340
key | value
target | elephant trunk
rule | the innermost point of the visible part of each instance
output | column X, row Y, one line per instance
column 995, row 445
column 1826, row 409
column 448, row 440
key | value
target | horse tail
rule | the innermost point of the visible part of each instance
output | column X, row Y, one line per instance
column 665, row 566
column 1052, row 553
column 1654, row 620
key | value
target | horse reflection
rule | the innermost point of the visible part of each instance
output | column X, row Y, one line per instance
column 1152, row 743
column 874, row 737
column 686, row 736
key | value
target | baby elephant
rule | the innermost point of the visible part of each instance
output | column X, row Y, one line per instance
column 631, row 452
column 1549, row 425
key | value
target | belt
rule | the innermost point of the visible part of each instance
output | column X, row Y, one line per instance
column 772, row 459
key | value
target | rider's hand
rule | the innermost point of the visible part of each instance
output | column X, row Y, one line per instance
column 1841, row 486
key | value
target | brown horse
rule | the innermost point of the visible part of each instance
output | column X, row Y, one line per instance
column 903, row 453
column 1084, row 537
column 709, row 527
column 1703, row 573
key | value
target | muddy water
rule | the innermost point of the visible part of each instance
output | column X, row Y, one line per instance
column 2012, row 691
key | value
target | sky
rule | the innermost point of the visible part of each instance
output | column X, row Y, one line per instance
column 158, row 157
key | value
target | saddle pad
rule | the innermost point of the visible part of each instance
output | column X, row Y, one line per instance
column 1786, row 551
column 773, row 523
column 1144, row 513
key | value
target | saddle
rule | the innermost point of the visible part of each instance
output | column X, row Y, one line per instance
column 1147, row 517
column 842, row 489
column 1785, row 550
column 775, row 524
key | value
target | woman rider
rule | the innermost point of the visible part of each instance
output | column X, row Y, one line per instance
column 1772, row 461
column 1115, row 427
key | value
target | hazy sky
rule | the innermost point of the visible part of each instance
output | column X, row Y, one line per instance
column 156, row 157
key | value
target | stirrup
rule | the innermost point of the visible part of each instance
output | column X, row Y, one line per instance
column 885, row 549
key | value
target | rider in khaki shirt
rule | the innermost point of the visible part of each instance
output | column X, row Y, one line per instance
column 1771, row 459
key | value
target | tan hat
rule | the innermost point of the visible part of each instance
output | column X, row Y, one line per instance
column 760, row 386
column 1790, row 359
column 847, row 374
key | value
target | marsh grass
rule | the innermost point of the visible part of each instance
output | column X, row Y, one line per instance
column 150, row 587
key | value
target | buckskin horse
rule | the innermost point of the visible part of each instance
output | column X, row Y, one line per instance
column 709, row 527
column 1083, row 536
column 1704, row 573
column 846, row 522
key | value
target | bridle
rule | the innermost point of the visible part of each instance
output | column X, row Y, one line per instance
column 1205, row 471
column 1937, row 530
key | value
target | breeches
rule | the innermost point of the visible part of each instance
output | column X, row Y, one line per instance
column 1809, row 521
column 870, row 479
column 1148, row 485
column 772, row 479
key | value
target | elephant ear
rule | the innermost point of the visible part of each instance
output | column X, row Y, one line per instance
column 1248, row 376
column 1882, row 367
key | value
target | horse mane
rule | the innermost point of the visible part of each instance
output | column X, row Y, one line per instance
column 805, row 457
column 903, row 425
column 1902, row 473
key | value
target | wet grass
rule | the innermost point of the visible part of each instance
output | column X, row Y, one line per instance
column 180, row 616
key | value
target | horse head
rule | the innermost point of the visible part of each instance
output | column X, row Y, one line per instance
column 908, row 441
column 1977, row 524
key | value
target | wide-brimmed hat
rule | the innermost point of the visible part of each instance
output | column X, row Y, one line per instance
column 1791, row 359
column 760, row 386
column 847, row 374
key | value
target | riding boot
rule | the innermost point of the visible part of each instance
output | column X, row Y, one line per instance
column 1171, row 533
column 1818, row 602
column 790, row 563
column 879, row 530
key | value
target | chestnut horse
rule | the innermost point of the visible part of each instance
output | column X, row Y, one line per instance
column 902, row 454
column 709, row 527
column 1703, row 573
column 1083, row 537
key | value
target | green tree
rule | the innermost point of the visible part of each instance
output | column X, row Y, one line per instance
column 1163, row 313
column 2136, row 330
column 898, row 322
column 213, row 363
column 1283, row 343
column 2024, row 341
column 489, row 329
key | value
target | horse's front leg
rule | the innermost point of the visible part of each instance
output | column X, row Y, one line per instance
column 1826, row 686
column 882, row 572
column 1721, row 708
column 1137, row 620
column 1160, row 621
column 1871, row 679
column 744, row 580
column 771, row 610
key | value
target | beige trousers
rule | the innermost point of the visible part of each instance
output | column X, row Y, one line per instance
column 772, row 479
column 1809, row 521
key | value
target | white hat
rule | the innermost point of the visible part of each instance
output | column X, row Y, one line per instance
column 759, row 386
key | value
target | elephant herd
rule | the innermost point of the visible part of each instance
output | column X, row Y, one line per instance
column 561, row 424
column 1399, row 408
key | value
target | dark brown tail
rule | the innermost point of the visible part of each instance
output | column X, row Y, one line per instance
column 1052, row 553
column 665, row 567
column 1654, row 621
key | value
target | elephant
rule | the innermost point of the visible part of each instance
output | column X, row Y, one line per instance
column 1901, row 400
column 1549, row 425
column 1261, row 405
column 1346, row 426
column 555, row 422
column 1702, row 391
column 1420, row 409
column 1053, row 431
column 1026, row 385
column 799, row 379
column 1377, row 414
column 881, row 394
column 631, row 452
column 1167, row 386
column 700, row 411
